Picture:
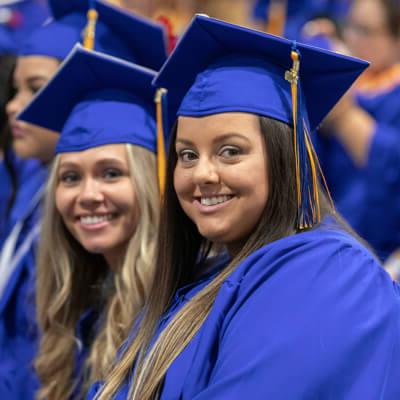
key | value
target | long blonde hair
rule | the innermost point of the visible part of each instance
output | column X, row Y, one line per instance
column 71, row 280
column 179, row 251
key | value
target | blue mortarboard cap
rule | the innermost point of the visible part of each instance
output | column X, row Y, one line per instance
column 116, row 33
column 105, row 100
column 219, row 67
column 7, row 43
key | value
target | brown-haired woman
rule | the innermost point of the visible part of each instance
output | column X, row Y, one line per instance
column 302, row 310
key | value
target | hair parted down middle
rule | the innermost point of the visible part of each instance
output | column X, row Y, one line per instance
column 181, row 246
column 70, row 280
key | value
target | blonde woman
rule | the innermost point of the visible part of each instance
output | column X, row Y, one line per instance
column 303, row 310
column 100, row 219
column 116, row 34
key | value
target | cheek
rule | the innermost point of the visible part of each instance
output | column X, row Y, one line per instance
column 124, row 199
column 63, row 202
column 182, row 181
column 36, row 144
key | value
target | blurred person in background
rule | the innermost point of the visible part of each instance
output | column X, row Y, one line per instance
column 359, row 144
column 8, row 178
column 18, row 18
column 176, row 14
column 287, row 17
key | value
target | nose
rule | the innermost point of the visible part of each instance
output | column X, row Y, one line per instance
column 90, row 194
column 14, row 106
column 205, row 172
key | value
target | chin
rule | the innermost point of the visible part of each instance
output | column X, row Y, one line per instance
column 22, row 149
column 96, row 248
column 216, row 236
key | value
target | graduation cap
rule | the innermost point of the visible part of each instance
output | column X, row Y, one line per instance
column 7, row 43
column 99, row 26
column 105, row 100
column 18, row 18
column 219, row 67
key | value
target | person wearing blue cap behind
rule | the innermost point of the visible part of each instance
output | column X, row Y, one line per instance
column 303, row 311
column 100, row 219
column 116, row 32
column 290, row 16
column 18, row 18
column 359, row 145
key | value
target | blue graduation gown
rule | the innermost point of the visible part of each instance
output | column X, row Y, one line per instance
column 369, row 197
column 18, row 333
column 29, row 172
column 311, row 316
column 29, row 382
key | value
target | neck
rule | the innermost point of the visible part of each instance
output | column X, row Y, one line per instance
column 114, row 260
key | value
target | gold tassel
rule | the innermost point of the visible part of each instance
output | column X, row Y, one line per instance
column 161, row 158
column 292, row 76
column 306, row 220
column 90, row 30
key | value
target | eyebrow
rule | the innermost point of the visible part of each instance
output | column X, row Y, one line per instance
column 102, row 161
column 34, row 79
column 218, row 139
column 37, row 78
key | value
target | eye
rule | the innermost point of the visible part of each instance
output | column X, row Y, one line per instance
column 35, row 88
column 69, row 178
column 230, row 151
column 187, row 155
column 112, row 173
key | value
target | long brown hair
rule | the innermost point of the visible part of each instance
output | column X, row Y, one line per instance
column 180, row 245
column 71, row 280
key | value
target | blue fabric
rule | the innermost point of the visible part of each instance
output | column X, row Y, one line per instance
column 18, row 334
column 219, row 67
column 25, row 170
column 116, row 33
column 83, row 333
column 369, row 198
column 311, row 316
column 105, row 101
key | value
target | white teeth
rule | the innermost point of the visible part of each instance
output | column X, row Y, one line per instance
column 95, row 219
column 212, row 201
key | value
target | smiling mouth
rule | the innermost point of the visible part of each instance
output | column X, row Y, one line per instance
column 214, row 200
column 17, row 132
column 95, row 219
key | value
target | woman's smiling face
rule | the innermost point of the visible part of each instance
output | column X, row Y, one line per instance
column 221, row 175
column 96, row 199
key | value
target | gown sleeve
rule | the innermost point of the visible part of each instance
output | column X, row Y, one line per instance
column 383, row 174
column 317, row 323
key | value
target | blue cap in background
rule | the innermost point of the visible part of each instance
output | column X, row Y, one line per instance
column 18, row 18
column 105, row 100
column 117, row 32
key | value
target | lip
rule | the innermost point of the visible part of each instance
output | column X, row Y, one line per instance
column 94, row 227
column 211, row 209
column 17, row 131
